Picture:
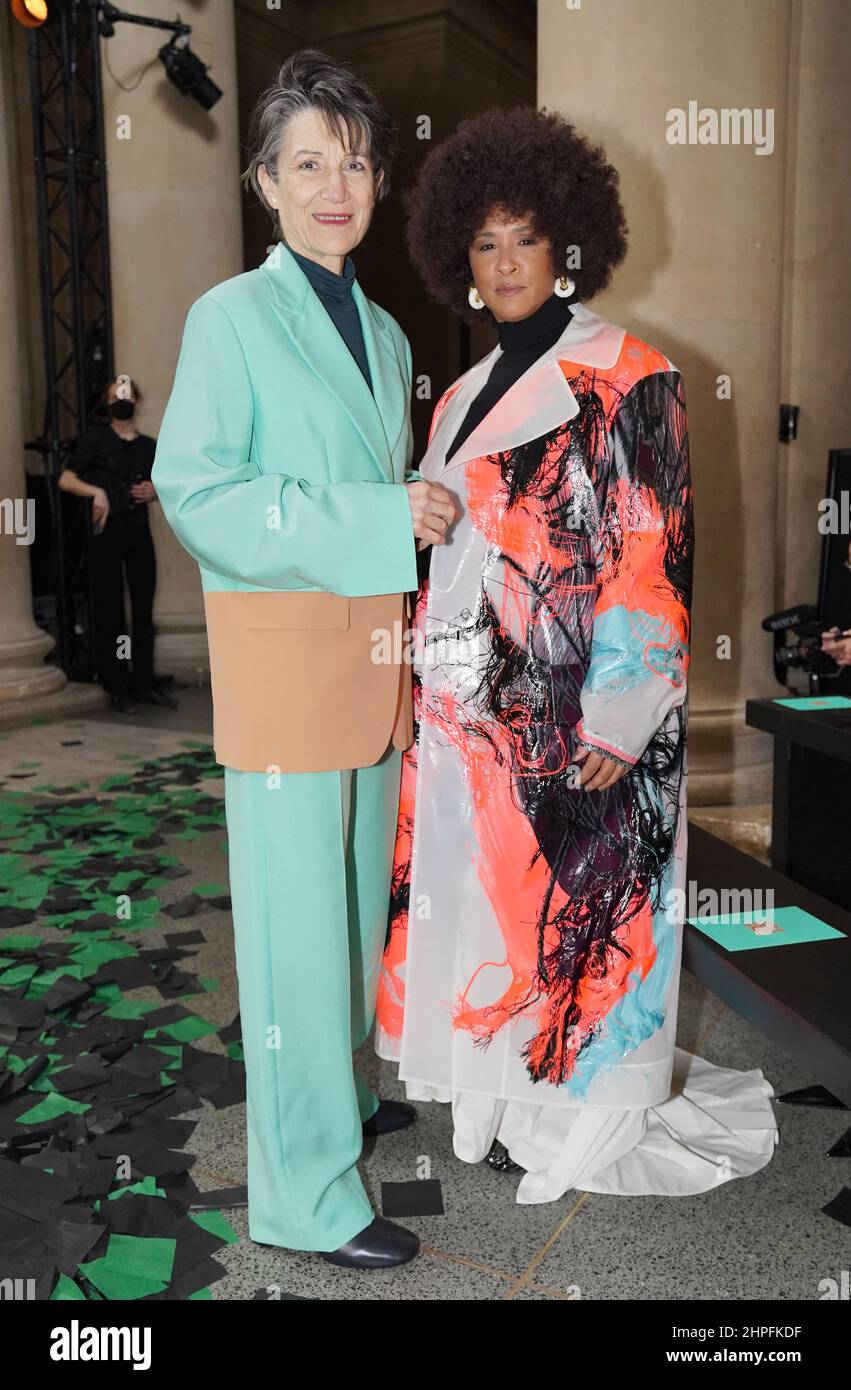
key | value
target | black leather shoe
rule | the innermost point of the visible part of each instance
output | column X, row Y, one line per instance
column 379, row 1245
column 156, row 697
column 123, row 704
column 390, row 1115
column 500, row 1159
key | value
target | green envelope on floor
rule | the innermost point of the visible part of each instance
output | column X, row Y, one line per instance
column 778, row 926
column 816, row 702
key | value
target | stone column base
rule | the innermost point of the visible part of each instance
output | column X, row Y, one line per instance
column 69, row 701
column 23, row 673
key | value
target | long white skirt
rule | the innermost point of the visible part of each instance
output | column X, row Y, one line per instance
column 716, row 1124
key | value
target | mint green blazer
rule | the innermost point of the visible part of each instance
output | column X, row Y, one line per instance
column 276, row 466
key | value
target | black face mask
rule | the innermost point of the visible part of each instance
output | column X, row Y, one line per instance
column 122, row 410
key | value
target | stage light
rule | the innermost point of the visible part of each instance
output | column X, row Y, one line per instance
column 189, row 74
column 30, row 13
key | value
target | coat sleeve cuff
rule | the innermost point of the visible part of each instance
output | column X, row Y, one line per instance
column 599, row 745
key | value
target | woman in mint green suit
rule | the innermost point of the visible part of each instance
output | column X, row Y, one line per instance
column 283, row 467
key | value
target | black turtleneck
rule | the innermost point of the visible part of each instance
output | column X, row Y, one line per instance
column 335, row 292
column 522, row 343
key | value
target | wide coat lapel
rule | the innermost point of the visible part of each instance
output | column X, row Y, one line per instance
column 379, row 417
column 536, row 404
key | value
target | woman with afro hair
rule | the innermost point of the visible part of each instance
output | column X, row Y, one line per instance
column 531, row 973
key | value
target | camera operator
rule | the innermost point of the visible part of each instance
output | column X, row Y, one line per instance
column 112, row 465
column 837, row 643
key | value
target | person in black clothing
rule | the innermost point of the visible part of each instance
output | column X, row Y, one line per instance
column 112, row 465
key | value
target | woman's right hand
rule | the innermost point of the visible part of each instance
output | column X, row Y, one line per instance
column 432, row 511
column 837, row 644
column 100, row 506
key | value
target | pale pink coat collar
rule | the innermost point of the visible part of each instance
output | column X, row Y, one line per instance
column 538, row 402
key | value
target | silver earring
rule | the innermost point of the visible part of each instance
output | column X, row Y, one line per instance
column 564, row 286
column 476, row 301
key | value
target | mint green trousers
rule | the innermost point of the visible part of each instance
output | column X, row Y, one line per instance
column 310, row 857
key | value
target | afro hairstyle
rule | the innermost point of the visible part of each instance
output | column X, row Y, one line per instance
column 529, row 163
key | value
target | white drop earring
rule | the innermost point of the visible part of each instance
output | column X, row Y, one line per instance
column 564, row 287
column 475, row 299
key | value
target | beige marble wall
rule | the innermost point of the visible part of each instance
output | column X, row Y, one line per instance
column 175, row 230
column 703, row 282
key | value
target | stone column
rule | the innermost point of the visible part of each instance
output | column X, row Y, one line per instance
column 703, row 283
column 29, row 686
column 175, row 230
column 817, row 292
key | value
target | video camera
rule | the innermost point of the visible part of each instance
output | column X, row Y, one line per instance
column 804, row 653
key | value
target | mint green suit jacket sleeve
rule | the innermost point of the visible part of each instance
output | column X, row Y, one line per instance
column 268, row 529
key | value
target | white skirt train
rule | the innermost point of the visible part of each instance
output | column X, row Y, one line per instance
column 716, row 1124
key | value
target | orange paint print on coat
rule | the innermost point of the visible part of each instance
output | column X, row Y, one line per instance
column 504, row 835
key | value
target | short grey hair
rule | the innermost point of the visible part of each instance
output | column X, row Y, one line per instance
column 310, row 80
